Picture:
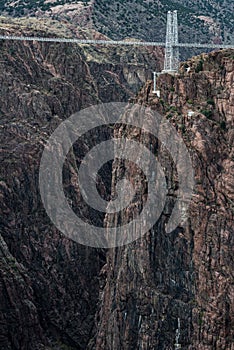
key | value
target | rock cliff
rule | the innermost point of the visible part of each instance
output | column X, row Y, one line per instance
column 187, row 274
column 56, row 294
column 49, row 285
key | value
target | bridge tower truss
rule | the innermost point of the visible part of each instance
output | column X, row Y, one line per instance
column 171, row 61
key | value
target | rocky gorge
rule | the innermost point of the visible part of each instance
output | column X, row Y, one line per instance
column 57, row 294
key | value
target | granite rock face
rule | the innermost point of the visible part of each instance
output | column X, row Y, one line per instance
column 56, row 294
column 188, row 273
column 49, row 285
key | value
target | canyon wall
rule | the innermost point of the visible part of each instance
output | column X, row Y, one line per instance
column 186, row 274
column 49, row 285
column 56, row 293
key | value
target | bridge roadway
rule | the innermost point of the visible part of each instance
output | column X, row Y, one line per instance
column 113, row 42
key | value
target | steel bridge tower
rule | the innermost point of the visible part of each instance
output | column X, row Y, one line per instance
column 171, row 62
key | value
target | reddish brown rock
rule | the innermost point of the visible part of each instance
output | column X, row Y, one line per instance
column 49, row 285
column 187, row 274
column 51, row 288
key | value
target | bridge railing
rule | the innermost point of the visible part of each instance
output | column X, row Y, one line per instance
column 112, row 42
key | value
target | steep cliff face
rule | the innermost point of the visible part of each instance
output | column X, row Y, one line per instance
column 188, row 273
column 49, row 285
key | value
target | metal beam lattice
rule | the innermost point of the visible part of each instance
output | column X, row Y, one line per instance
column 171, row 61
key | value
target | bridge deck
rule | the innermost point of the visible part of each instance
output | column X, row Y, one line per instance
column 112, row 42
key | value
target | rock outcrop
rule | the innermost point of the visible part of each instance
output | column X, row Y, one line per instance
column 187, row 274
column 49, row 285
column 56, row 293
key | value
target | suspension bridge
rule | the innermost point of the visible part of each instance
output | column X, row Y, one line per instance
column 112, row 42
column 171, row 44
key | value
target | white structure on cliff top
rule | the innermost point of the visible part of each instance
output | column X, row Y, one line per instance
column 171, row 61
column 177, row 344
column 156, row 91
